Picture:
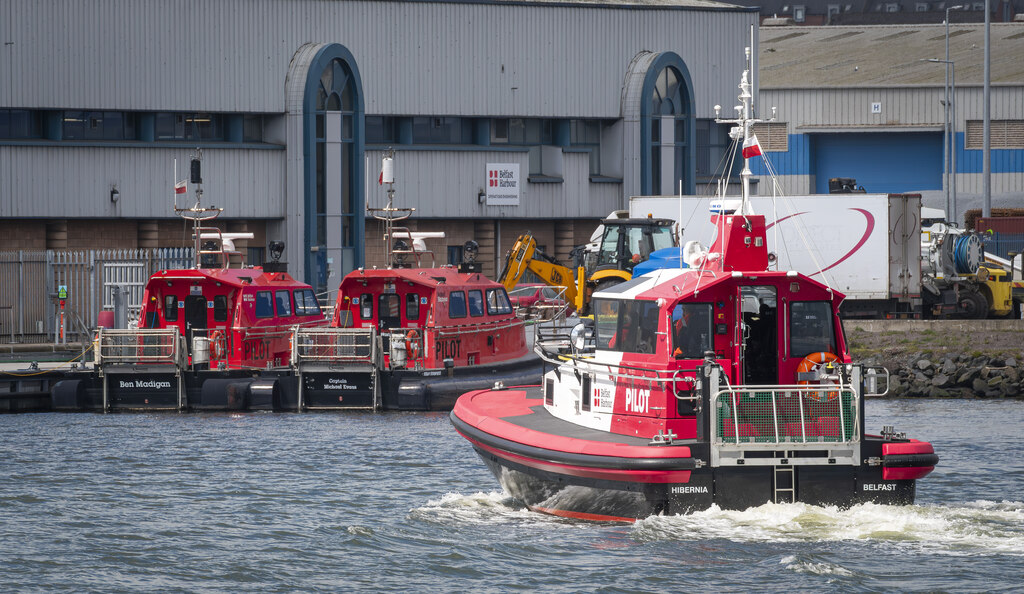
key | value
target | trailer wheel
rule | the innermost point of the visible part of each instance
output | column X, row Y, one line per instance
column 973, row 306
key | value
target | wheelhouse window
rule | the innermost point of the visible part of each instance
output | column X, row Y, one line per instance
column 412, row 306
column 366, row 306
column 283, row 300
column 306, row 303
column 476, row 303
column 456, row 304
column 692, row 333
column 627, row 326
column 220, row 308
column 170, row 308
column 810, row 328
column 264, row 304
column 497, row 302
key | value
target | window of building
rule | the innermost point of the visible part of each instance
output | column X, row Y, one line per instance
column 264, row 304
column 220, row 308
column 335, row 200
column 456, row 304
column 713, row 145
column 499, row 130
column 441, row 130
column 892, row 7
column 97, row 125
column 668, row 131
column 587, row 134
column 799, row 13
column 921, row 7
column 380, row 130
column 188, row 126
column 772, row 136
column 1003, row 134
column 17, row 124
column 252, row 128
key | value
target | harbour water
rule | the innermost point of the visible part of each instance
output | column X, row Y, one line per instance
column 385, row 502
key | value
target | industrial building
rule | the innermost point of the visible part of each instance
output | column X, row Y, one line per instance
column 292, row 103
column 869, row 103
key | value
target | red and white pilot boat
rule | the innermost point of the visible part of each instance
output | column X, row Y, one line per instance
column 412, row 337
column 722, row 383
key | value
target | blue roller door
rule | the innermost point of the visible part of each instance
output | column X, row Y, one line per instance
column 883, row 162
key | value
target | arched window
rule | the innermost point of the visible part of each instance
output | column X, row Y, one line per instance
column 670, row 114
column 336, row 205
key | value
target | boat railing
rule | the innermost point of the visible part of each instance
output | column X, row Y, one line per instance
column 335, row 346
column 475, row 328
column 163, row 346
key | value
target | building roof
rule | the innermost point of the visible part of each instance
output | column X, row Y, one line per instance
column 633, row 4
column 887, row 55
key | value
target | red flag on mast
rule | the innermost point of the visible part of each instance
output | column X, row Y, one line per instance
column 751, row 147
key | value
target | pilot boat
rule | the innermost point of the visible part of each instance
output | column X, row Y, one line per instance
column 412, row 336
column 718, row 383
column 212, row 336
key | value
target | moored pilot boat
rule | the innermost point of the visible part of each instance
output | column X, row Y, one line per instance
column 205, row 332
column 412, row 336
column 719, row 383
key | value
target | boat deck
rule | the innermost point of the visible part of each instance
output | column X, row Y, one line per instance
column 517, row 416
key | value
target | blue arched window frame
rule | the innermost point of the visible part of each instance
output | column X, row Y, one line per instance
column 685, row 146
column 316, row 98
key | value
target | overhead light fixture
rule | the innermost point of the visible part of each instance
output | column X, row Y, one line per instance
column 114, row 194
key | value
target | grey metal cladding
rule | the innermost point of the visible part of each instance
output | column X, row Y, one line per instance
column 430, row 58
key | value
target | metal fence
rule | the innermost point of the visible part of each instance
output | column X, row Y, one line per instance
column 31, row 283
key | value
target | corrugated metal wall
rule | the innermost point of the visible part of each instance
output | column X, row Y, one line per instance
column 811, row 111
column 425, row 180
column 70, row 182
column 414, row 57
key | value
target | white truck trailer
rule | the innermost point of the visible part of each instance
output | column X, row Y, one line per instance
column 867, row 246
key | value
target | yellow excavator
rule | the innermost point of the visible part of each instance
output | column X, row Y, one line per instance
column 608, row 260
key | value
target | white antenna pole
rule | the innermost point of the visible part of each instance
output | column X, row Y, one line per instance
column 679, row 224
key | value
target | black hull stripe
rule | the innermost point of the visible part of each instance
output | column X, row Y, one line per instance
column 909, row 460
column 570, row 458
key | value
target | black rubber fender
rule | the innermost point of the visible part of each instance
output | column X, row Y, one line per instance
column 909, row 460
column 68, row 395
column 225, row 394
column 265, row 394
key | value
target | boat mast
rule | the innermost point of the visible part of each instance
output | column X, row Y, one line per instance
column 197, row 212
column 389, row 214
column 742, row 128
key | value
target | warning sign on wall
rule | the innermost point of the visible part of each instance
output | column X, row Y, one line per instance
column 502, row 184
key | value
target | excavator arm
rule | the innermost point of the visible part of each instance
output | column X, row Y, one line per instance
column 524, row 256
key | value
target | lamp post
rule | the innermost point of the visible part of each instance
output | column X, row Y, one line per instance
column 949, row 137
column 951, row 118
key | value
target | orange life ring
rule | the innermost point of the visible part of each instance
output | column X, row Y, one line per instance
column 218, row 345
column 812, row 362
column 412, row 345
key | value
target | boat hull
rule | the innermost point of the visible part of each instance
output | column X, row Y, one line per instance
column 579, row 480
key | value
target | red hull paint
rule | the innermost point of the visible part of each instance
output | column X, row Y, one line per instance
column 484, row 413
column 608, row 474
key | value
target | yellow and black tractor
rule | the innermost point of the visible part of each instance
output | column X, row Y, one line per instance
column 623, row 243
